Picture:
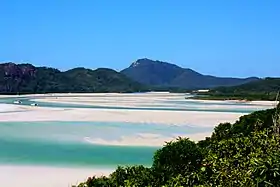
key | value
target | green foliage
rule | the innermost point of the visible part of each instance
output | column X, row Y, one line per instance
column 222, row 131
column 245, row 161
column 25, row 78
column 246, row 153
column 264, row 89
column 257, row 121
column 266, row 85
column 96, row 182
column 176, row 157
column 136, row 176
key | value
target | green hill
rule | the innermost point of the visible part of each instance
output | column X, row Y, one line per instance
column 264, row 89
column 26, row 78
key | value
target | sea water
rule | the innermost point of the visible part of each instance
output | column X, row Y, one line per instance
column 64, row 143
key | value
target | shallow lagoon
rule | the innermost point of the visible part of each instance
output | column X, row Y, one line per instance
column 63, row 143
column 35, row 152
column 94, row 144
column 167, row 105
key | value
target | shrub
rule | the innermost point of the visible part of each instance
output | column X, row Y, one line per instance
column 176, row 157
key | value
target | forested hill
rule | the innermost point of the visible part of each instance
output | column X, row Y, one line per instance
column 264, row 89
column 262, row 85
column 26, row 78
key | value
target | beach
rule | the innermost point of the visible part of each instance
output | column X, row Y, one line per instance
column 161, row 117
column 44, row 176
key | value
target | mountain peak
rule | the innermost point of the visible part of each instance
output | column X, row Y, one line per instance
column 159, row 73
column 141, row 61
column 147, row 62
column 134, row 64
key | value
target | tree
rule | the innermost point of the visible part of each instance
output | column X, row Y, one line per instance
column 96, row 182
column 176, row 157
column 222, row 131
column 244, row 161
column 136, row 176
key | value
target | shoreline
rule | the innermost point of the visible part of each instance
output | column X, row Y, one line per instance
column 47, row 176
column 141, row 94
column 99, row 94
column 234, row 101
column 139, row 104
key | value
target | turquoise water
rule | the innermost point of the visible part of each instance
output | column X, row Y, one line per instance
column 105, row 130
column 31, row 152
column 213, row 102
column 63, row 143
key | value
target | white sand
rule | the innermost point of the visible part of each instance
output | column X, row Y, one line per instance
column 110, row 115
column 140, row 99
column 152, row 99
column 146, row 139
column 43, row 176
column 138, row 140
column 7, row 108
column 172, row 118
column 142, row 102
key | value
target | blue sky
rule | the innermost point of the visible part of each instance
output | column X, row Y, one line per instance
column 218, row 37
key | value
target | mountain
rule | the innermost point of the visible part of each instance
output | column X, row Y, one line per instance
column 26, row 78
column 163, row 74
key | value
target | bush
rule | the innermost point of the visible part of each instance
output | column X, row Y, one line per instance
column 245, row 161
column 96, row 182
column 136, row 176
column 176, row 157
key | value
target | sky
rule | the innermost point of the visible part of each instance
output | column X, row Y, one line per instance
column 236, row 38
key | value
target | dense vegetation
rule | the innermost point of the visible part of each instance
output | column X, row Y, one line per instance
column 25, row 78
column 163, row 74
column 264, row 89
column 246, row 153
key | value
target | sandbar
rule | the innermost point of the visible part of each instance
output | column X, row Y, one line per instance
column 196, row 118
column 46, row 176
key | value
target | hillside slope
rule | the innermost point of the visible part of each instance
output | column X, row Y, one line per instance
column 157, row 73
column 263, row 85
column 263, row 89
column 26, row 78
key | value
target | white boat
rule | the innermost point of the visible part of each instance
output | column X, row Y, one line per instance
column 34, row 104
column 17, row 102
